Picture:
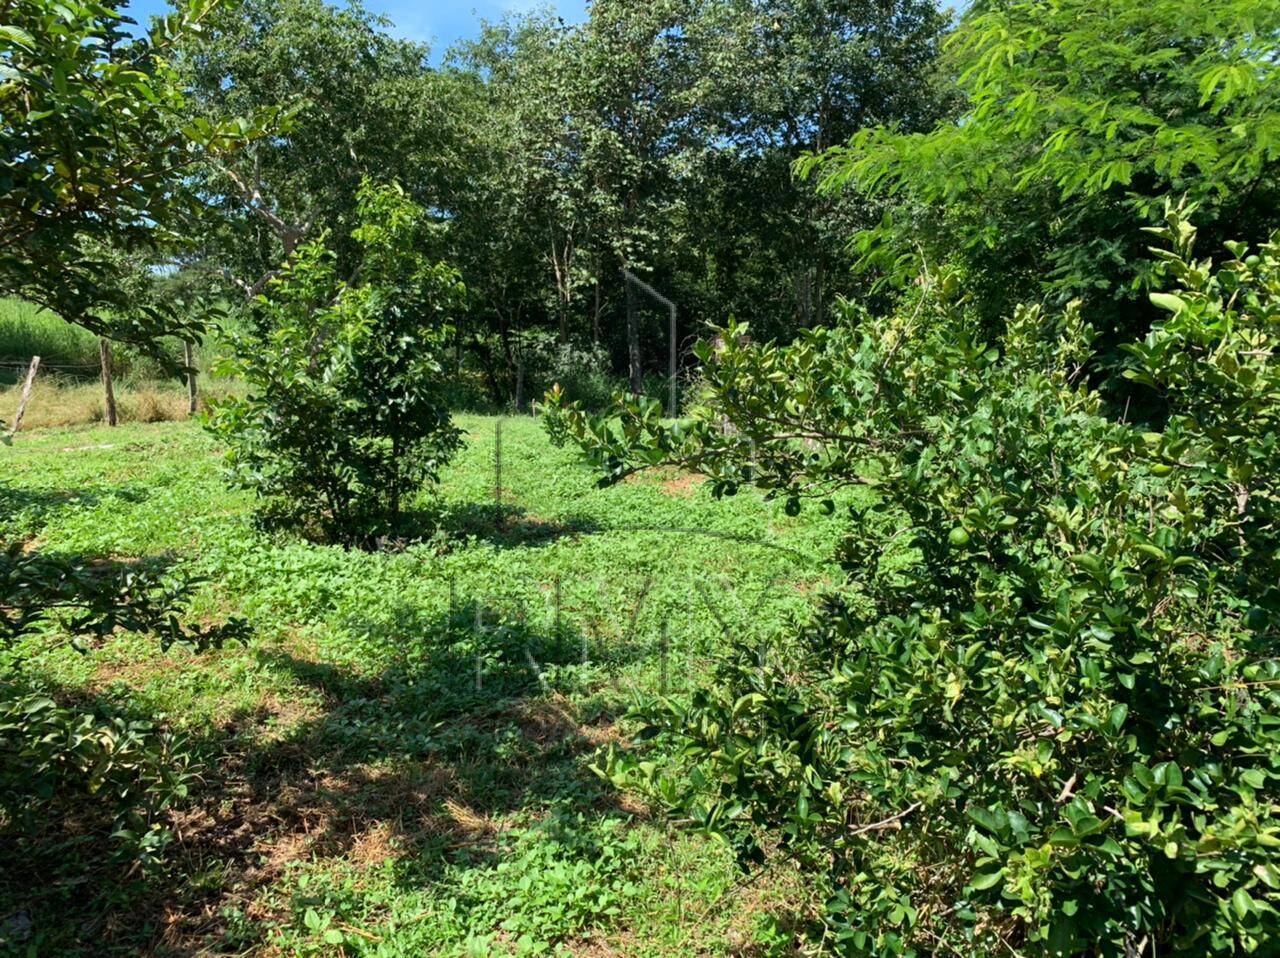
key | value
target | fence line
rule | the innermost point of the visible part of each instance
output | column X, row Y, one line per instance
column 24, row 363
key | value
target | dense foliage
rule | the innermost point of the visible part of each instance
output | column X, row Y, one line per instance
column 345, row 417
column 93, row 142
column 93, row 135
column 1078, row 119
column 1026, row 702
column 353, row 102
column 654, row 136
column 1049, row 723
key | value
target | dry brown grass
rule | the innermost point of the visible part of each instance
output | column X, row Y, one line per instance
column 61, row 402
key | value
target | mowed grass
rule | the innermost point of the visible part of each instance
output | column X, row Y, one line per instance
column 398, row 761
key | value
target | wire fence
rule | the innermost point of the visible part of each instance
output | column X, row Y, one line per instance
column 24, row 363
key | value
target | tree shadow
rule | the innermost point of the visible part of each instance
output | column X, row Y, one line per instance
column 37, row 506
column 509, row 526
column 423, row 762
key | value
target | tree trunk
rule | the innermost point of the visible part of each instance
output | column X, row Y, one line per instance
column 633, row 342
column 109, row 395
column 395, row 486
column 192, row 395
column 509, row 354
column 819, row 281
column 595, row 316
column 520, row 383
column 804, row 298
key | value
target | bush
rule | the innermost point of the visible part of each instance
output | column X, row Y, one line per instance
column 1042, row 716
column 345, row 416
column 51, row 756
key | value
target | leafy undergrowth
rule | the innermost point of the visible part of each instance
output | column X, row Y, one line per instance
column 397, row 762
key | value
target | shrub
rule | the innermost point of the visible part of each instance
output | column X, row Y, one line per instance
column 51, row 756
column 345, row 415
column 1042, row 716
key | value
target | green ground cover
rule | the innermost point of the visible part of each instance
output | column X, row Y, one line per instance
column 398, row 761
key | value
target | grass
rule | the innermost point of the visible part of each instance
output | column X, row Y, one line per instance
column 60, row 401
column 397, row 763
column 27, row 330
column 70, row 352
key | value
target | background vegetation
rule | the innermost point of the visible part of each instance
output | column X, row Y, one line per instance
column 981, row 434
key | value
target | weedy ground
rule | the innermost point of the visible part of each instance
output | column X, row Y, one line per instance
column 397, row 763
column 58, row 400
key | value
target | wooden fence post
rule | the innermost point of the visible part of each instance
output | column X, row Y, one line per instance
column 104, row 353
column 192, row 397
column 26, row 395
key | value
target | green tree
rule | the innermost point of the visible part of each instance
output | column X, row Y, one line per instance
column 521, row 218
column 346, row 415
column 94, row 135
column 1038, row 718
column 1078, row 118
column 660, row 137
column 94, row 147
column 798, row 77
column 353, row 102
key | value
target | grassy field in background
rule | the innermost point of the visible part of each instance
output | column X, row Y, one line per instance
column 27, row 331
column 397, row 762
column 68, row 390
column 60, row 401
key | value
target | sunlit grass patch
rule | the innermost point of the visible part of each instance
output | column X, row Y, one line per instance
column 401, row 755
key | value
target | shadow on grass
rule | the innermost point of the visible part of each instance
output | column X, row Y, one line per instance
column 509, row 526
column 34, row 507
column 425, row 762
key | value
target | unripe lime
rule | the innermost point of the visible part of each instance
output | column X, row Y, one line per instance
column 958, row 537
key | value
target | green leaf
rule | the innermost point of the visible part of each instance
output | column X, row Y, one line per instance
column 17, row 36
column 1169, row 302
column 984, row 880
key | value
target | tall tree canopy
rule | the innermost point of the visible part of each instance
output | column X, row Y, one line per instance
column 660, row 138
column 1079, row 118
column 354, row 102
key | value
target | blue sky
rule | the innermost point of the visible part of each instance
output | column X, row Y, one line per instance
column 439, row 22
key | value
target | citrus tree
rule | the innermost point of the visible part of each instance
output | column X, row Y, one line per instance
column 345, row 417
column 1039, row 717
